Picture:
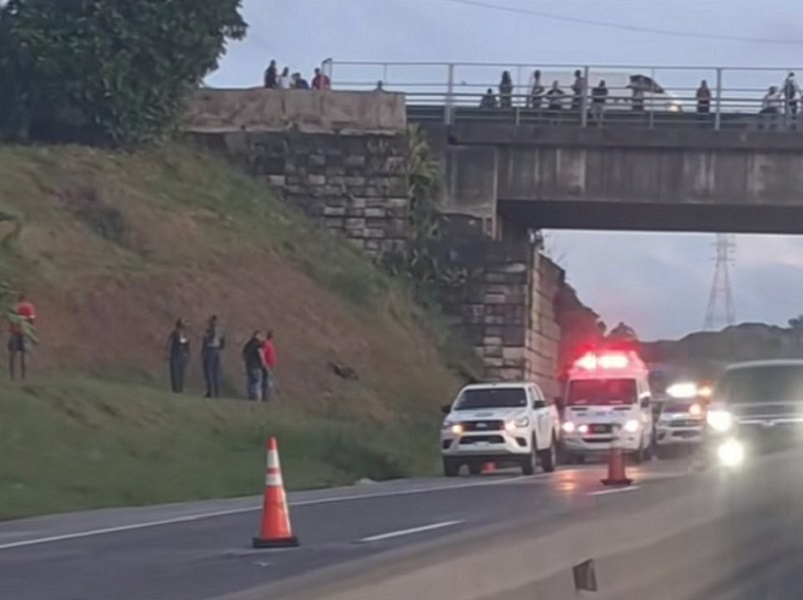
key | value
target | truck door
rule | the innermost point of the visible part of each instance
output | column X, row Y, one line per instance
column 542, row 415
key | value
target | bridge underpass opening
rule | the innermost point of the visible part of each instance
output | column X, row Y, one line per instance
column 660, row 284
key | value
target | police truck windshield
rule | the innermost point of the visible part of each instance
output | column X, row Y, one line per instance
column 492, row 398
column 601, row 392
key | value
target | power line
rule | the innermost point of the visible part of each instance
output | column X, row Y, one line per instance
column 625, row 27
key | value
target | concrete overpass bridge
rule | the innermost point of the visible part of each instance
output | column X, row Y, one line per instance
column 647, row 160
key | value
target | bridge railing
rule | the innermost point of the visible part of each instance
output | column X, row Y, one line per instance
column 636, row 95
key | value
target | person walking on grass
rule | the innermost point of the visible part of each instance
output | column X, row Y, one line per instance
column 254, row 366
column 178, row 354
column 268, row 365
column 21, row 323
column 212, row 345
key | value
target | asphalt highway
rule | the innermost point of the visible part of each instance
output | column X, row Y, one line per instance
column 202, row 551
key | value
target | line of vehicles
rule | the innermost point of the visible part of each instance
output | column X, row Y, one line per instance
column 607, row 399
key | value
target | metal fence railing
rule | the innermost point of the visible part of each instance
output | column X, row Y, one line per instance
column 634, row 95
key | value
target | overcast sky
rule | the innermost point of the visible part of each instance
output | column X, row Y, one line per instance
column 659, row 283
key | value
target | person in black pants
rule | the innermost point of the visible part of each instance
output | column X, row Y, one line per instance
column 213, row 344
column 178, row 353
column 254, row 366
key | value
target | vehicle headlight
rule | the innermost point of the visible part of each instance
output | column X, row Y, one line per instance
column 731, row 453
column 454, row 426
column 632, row 426
column 568, row 427
column 719, row 420
column 517, row 423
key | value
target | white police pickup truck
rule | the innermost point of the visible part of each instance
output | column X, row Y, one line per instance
column 504, row 423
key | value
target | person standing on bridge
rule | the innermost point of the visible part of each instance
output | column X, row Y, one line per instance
column 791, row 93
column 212, row 344
column 703, row 98
column 599, row 95
column 271, row 76
column 771, row 107
column 506, row 90
column 578, row 90
column 536, row 91
column 321, row 81
column 283, row 81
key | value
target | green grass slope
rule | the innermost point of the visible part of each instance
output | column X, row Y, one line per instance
column 112, row 249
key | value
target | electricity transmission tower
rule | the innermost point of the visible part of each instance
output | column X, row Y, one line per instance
column 720, row 300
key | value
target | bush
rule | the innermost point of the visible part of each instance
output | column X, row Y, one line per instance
column 106, row 70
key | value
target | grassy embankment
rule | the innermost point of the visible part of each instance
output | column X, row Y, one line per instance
column 113, row 248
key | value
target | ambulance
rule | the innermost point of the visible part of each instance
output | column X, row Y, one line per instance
column 607, row 398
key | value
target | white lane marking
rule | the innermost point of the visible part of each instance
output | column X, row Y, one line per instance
column 423, row 528
column 121, row 528
column 631, row 488
column 235, row 511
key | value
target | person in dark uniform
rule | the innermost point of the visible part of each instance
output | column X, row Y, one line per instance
column 211, row 347
column 178, row 354
column 254, row 366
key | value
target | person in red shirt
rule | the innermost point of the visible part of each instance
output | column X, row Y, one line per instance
column 321, row 81
column 268, row 364
column 18, row 342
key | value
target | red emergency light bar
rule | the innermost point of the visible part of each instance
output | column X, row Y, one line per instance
column 592, row 361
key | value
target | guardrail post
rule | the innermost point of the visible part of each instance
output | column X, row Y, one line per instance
column 718, row 107
column 584, row 100
column 448, row 105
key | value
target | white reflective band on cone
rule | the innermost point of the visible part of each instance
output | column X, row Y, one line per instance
column 273, row 479
column 273, row 459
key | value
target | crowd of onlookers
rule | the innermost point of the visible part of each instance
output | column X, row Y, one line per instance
column 281, row 79
column 779, row 100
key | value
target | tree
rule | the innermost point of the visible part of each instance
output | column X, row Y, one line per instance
column 796, row 325
column 117, row 70
column 622, row 331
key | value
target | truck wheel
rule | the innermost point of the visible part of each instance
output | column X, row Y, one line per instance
column 548, row 457
column 529, row 464
column 451, row 468
column 474, row 468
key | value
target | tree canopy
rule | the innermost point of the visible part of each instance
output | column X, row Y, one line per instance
column 117, row 70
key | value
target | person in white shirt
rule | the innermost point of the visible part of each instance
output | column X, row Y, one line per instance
column 284, row 79
column 771, row 106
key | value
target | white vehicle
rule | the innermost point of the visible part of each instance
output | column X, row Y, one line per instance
column 607, row 395
column 681, row 421
column 504, row 423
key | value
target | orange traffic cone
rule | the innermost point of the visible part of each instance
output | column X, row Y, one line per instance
column 274, row 530
column 616, row 466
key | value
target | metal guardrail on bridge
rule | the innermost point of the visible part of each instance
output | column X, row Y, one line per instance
column 636, row 95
